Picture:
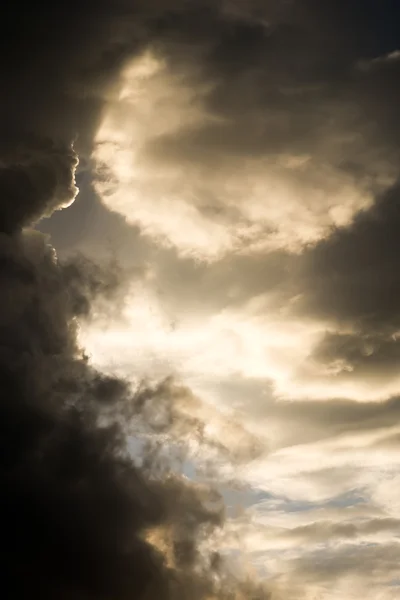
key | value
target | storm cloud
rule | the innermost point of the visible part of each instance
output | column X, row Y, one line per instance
column 79, row 518
column 220, row 298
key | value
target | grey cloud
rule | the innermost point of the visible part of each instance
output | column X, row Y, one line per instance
column 313, row 420
column 291, row 87
column 325, row 531
column 173, row 409
column 102, row 284
column 35, row 180
column 75, row 509
column 388, row 441
column 352, row 277
column 375, row 561
column 361, row 357
column 308, row 421
column 187, row 285
column 54, row 458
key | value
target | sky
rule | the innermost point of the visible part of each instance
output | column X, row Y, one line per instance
column 199, row 332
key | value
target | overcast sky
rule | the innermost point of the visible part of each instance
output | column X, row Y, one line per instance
column 199, row 346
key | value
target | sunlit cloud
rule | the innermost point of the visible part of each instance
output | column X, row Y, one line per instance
column 211, row 204
column 247, row 342
column 324, row 479
column 258, row 215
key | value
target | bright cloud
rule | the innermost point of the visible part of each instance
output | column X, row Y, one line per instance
column 268, row 207
column 215, row 203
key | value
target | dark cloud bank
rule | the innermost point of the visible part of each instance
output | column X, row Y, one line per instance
column 75, row 510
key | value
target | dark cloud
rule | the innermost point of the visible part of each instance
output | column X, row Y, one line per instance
column 283, row 83
column 60, row 473
column 369, row 357
column 75, row 509
column 352, row 277
column 79, row 519
column 35, row 180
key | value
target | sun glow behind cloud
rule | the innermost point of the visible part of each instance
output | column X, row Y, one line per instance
column 290, row 467
column 264, row 346
column 322, row 485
